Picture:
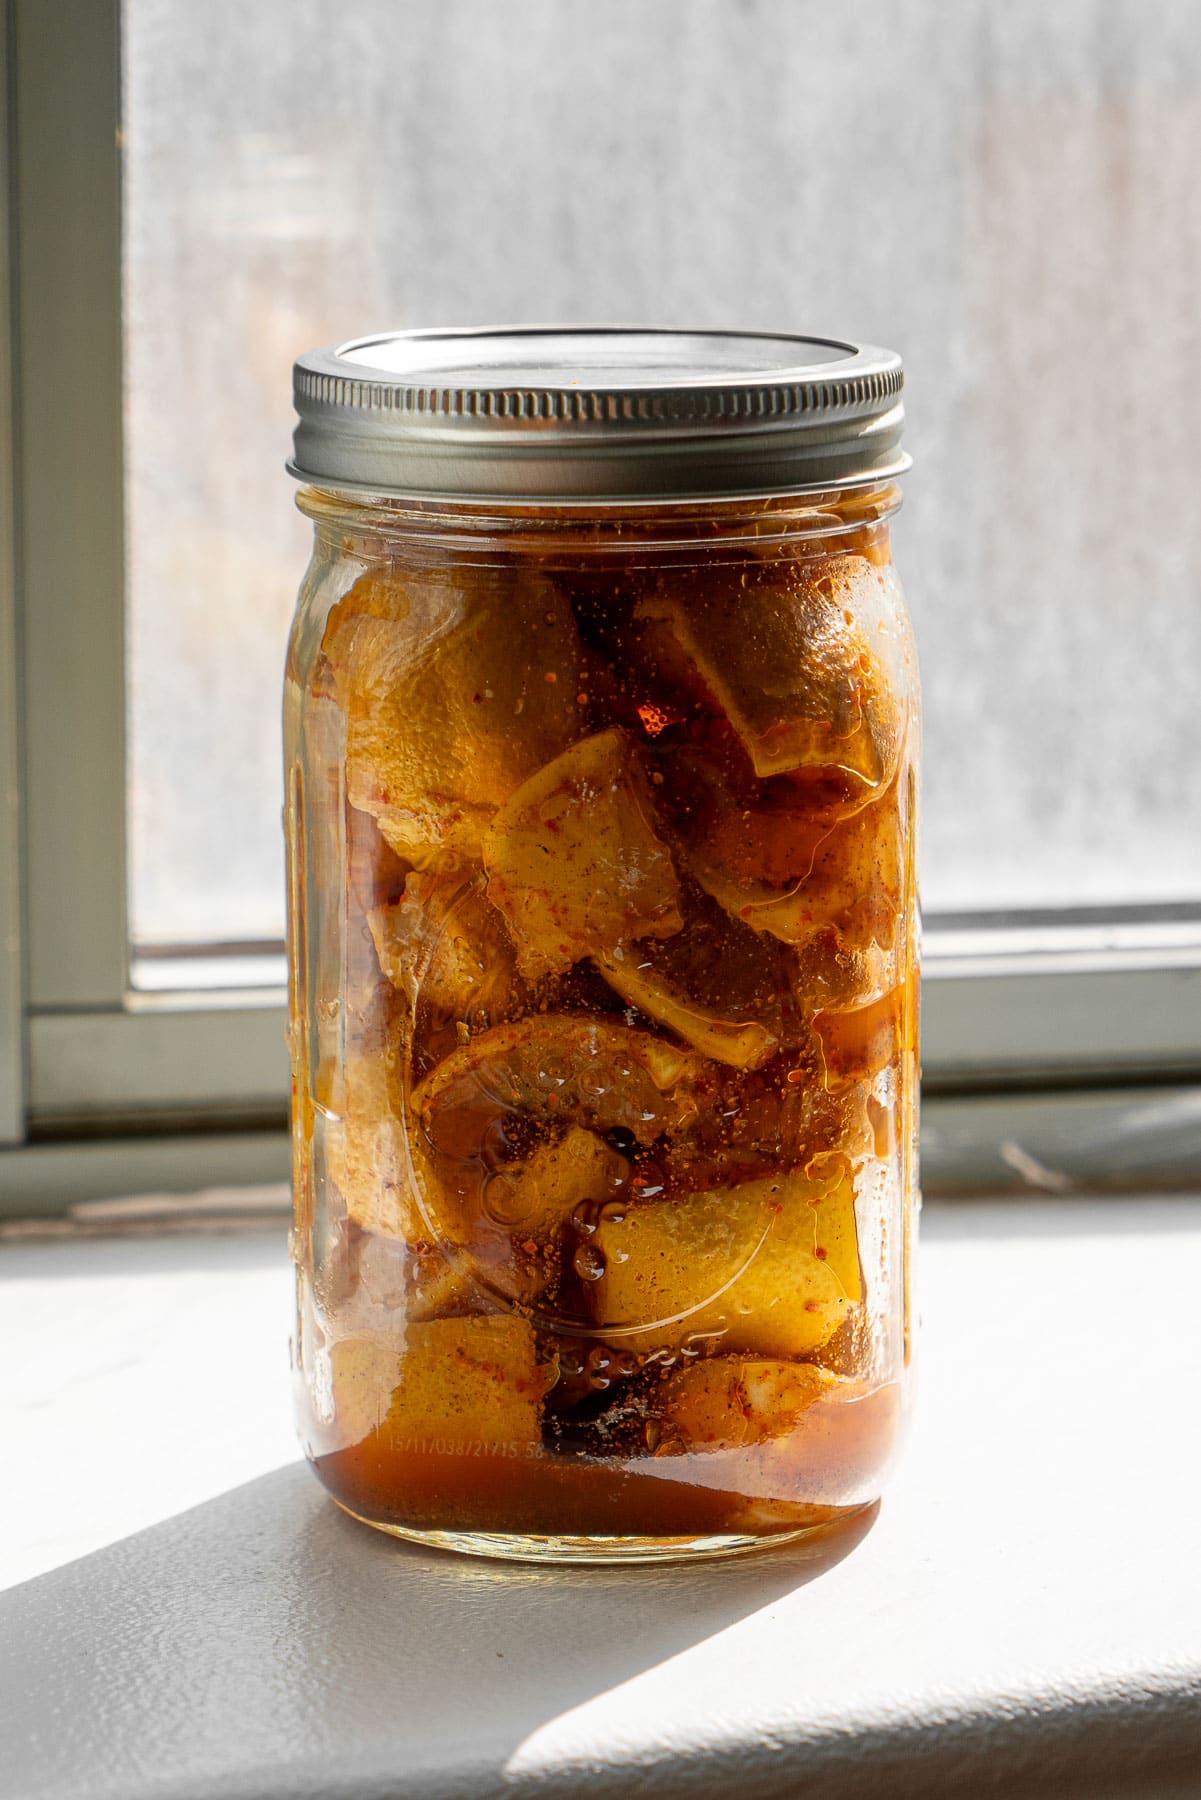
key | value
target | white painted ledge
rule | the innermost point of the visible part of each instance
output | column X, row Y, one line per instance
column 1024, row 1619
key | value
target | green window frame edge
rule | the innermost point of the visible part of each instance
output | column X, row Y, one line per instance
column 12, row 994
column 180, row 1081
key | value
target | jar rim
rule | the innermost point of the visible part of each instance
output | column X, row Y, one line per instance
column 596, row 414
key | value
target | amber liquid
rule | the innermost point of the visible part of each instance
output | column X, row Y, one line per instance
column 604, row 1033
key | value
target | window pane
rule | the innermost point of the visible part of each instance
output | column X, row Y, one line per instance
column 1007, row 195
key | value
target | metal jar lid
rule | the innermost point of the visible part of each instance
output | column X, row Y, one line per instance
column 544, row 413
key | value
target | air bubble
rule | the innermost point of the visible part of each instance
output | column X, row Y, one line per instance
column 648, row 1180
column 588, row 1263
column 503, row 1199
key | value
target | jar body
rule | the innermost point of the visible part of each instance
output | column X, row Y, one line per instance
column 603, row 944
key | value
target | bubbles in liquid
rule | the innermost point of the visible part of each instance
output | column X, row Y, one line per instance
column 588, row 1262
column 600, row 1369
column 503, row 1199
column 648, row 1180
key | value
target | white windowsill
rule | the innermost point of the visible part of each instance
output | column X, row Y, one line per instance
column 1027, row 1609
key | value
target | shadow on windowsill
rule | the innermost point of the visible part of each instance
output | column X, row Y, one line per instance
column 265, row 1645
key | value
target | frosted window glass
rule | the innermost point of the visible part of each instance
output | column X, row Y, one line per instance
column 1007, row 195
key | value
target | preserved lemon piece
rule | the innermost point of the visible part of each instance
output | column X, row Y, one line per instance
column 588, row 1072
column 770, row 1267
column 365, row 1144
column 477, row 1109
column 797, row 875
column 438, row 1284
column 375, row 875
column 368, row 1001
column 456, row 685
column 746, row 1046
column 394, row 1279
column 443, row 943
column 355, row 998
column 538, row 1196
column 728, row 1402
column 716, row 984
column 858, row 1044
column 477, row 1379
column 574, row 860
column 798, row 656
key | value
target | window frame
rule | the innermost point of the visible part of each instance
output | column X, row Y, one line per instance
column 12, row 985
column 82, row 1056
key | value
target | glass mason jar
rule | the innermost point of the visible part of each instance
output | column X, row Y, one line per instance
column 602, row 725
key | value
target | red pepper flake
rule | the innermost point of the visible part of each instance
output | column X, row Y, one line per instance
column 821, row 1252
column 656, row 719
column 581, row 699
column 529, row 1246
column 813, row 1306
column 550, row 677
column 796, row 1075
column 476, row 698
column 552, row 825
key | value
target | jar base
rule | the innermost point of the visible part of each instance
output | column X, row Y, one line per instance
column 534, row 1547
